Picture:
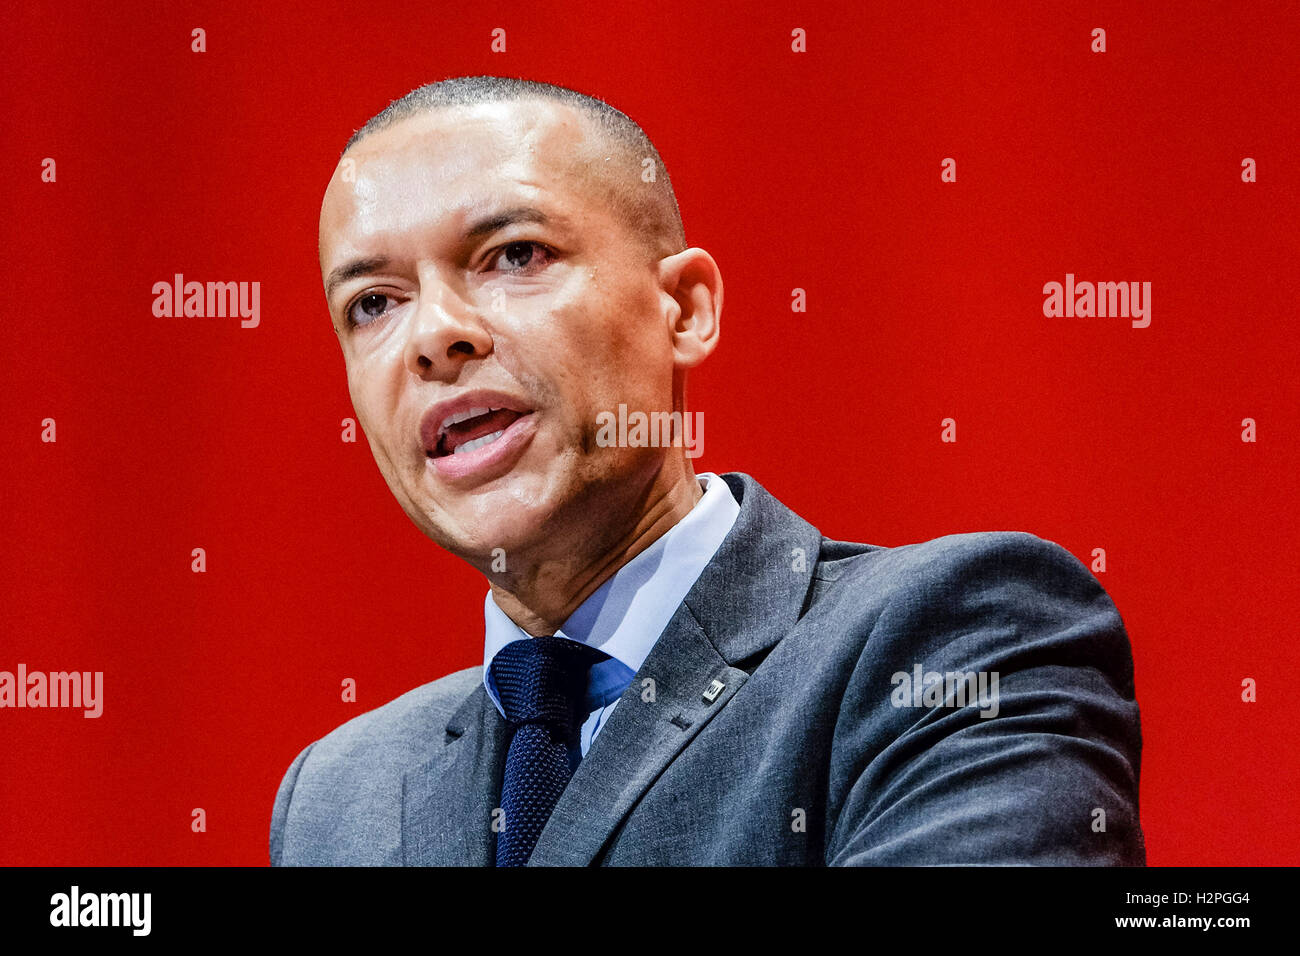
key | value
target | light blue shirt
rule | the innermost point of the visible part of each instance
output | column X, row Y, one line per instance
column 627, row 613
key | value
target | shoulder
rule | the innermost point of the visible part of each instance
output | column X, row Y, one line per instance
column 402, row 722
column 970, row 555
column 1008, row 566
column 976, row 592
column 343, row 789
column 388, row 738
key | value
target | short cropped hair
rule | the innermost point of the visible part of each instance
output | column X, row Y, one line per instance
column 647, row 208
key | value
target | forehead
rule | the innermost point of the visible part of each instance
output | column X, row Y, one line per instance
column 437, row 168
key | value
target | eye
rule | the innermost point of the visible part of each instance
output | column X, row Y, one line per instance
column 369, row 307
column 521, row 256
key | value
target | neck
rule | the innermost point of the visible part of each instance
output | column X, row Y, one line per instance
column 543, row 596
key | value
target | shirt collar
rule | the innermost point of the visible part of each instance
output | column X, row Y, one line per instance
column 627, row 613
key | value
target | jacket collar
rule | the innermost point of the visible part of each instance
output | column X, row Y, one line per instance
column 745, row 600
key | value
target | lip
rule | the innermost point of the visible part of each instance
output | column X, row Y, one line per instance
column 489, row 460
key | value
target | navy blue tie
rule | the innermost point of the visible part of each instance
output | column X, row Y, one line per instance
column 541, row 682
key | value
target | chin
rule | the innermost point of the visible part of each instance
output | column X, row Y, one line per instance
column 475, row 530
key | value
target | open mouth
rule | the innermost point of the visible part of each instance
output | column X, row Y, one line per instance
column 472, row 429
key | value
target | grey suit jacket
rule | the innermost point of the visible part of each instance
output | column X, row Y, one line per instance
column 813, row 751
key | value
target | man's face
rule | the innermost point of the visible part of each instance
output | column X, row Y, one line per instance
column 480, row 269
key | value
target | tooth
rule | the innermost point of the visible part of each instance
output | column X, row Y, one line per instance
column 462, row 416
column 477, row 443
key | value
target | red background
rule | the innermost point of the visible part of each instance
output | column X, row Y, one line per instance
column 817, row 170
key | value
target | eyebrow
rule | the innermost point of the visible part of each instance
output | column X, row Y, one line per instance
column 477, row 230
column 490, row 224
column 350, row 270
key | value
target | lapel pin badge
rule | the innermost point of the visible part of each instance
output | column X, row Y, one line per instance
column 712, row 691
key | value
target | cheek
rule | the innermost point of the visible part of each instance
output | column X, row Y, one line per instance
column 641, row 364
column 589, row 350
column 357, row 390
column 629, row 343
column 368, row 390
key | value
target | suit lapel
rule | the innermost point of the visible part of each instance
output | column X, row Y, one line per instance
column 745, row 601
column 447, row 801
column 644, row 733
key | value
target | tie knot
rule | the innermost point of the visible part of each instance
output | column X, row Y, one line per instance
column 543, row 680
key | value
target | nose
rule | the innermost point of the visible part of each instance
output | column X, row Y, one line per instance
column 445, row 333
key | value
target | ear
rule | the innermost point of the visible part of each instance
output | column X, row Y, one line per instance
column 692, row 286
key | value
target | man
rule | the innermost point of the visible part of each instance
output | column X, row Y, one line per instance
column 677, row 669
